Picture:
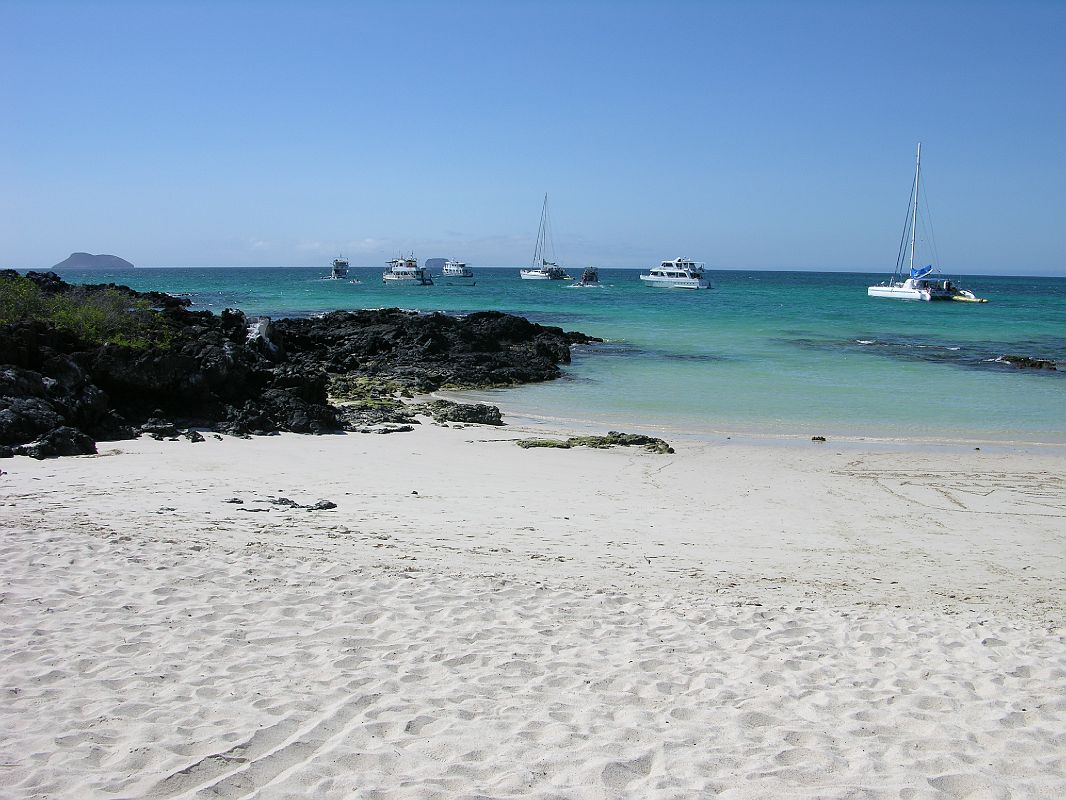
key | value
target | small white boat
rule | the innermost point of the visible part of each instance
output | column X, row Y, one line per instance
column 339, row 269
column 921, row 283
column 406, row 272
column 590, row 278
column 543, row 269
column 966, row 296
column 681, row 273
column 452, row 272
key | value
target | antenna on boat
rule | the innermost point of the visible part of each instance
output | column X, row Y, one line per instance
column 914, row 210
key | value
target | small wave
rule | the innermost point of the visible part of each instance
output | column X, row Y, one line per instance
column 865, row 341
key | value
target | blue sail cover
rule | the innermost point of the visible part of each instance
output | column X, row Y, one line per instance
column 921, row 272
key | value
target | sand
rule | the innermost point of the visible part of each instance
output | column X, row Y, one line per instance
column 737, row 620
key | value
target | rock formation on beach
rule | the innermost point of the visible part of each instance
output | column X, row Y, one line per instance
column 89, row 261
column 63, row 387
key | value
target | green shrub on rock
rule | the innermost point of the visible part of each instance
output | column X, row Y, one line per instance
column 100, row 315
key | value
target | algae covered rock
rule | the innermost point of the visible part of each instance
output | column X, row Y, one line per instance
column 613, row 439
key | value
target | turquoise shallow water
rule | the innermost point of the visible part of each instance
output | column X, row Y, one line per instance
column 762, row 352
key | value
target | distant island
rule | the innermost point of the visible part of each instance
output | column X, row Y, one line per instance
column 88, row 260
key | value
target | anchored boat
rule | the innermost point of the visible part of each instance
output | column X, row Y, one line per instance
column 543, row 269
column 921, row 283
column 339, row 269
column 405, row 271
column 681, row 273
column 457, row 273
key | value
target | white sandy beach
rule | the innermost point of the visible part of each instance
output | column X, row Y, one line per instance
column 736, row 620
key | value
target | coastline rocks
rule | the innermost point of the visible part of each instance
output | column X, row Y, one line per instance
column 340, row 371
column 425, row 352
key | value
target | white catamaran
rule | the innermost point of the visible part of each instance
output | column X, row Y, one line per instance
column 919, row 285
column 542, row 269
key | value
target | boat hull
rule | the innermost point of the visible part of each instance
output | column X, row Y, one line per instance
column 905, row 292
column 898, row 293
column 537, row 275
column 403, row 280
column 675, row 283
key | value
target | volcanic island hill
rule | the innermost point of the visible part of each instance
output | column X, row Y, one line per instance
column 89, row 261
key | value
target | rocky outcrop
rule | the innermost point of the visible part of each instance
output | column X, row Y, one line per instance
column 1026, row 362
column 345, row 370
column 472, row 414
column 425, row 352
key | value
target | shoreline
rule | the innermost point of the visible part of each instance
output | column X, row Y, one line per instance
column 581, row 426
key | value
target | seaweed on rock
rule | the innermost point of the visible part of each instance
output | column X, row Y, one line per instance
column 613, row 439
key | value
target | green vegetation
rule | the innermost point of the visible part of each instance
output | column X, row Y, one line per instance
column 612, row 439
column 96, row 315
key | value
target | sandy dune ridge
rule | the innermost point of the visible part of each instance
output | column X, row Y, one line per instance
column 475, row 620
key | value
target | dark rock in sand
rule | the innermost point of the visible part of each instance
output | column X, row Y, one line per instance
column 161, row 428
column 394, row 429
column 447, row 411
column 25, row 418
column 61, row 441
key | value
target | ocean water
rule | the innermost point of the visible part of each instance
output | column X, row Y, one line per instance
column 770, row 353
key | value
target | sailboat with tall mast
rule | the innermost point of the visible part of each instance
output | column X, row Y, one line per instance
column 917, row 285
column 543, row 268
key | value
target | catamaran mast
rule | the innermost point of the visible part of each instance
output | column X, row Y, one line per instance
column 914, row 208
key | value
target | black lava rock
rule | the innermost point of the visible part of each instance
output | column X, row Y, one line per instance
column 58, row 393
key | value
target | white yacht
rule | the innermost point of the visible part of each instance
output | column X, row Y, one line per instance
column 405, row 271
column 339, row 269
column 919, row 284
column 457, row 273
column 543, row 269
column 681, row 273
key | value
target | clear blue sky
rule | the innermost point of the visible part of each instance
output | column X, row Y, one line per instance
column 747, row 135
